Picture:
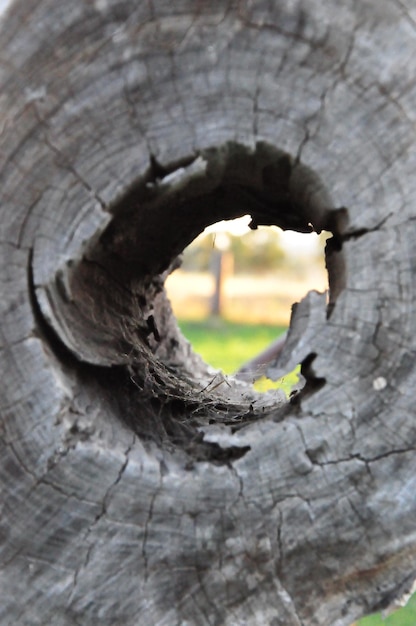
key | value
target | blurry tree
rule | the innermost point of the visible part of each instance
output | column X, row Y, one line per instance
column 255, row 251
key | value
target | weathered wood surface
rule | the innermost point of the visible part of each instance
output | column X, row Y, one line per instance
column 133, row 490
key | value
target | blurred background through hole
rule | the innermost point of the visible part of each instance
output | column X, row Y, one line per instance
column 233, row 293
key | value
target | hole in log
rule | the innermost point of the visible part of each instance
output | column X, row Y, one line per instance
column 234, row 290
column 110, row 310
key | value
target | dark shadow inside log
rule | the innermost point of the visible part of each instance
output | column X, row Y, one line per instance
column 109, row 309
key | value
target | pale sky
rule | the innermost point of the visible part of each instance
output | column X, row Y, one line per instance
column 3, row 5
column 291, row 241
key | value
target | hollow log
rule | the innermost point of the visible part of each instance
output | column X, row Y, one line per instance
column 139, row 486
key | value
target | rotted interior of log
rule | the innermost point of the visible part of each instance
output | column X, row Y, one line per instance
column 107, row 314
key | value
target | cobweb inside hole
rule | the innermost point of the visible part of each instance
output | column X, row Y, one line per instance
column 232, row 295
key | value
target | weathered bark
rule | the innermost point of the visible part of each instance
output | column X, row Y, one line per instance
column 137, row 489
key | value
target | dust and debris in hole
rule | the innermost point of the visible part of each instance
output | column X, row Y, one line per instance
column 183, row 414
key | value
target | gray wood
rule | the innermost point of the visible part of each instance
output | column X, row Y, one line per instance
column 139, row 486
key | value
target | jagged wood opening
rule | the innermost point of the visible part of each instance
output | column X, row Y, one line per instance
column 233, row 275
column 110, row 310
column 217, row 284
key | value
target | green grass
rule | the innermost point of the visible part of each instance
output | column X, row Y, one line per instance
column 227, row 345
column 403, row 617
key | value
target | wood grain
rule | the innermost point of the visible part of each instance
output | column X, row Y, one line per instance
column 134, row 489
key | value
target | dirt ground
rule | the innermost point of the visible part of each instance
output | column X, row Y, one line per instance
column 263, row 298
